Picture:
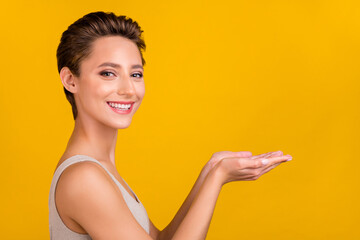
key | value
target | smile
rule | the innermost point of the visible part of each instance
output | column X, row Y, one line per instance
column 121, row 107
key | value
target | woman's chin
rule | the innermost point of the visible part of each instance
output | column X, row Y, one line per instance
column 122, row 125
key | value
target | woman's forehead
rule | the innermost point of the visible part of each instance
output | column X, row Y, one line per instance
column 114, row 49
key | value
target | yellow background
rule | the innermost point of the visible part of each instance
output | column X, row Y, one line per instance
column 220, row 75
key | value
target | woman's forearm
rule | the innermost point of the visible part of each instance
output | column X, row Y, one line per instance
column 169, row 231
column 199, row 207
column 196, row 223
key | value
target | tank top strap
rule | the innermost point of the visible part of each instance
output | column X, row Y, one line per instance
column 75, row 159
column 80, row 158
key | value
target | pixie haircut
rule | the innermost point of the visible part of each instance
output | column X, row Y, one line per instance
column 76, row 41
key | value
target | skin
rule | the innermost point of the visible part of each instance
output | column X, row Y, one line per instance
column 106, row 215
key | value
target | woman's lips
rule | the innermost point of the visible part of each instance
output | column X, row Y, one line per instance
column 121, row 111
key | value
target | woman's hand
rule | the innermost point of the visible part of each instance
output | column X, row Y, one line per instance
column 242, row 166
column 218, row 156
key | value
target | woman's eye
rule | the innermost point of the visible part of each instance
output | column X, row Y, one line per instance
column 107, row 74
column 138, row 75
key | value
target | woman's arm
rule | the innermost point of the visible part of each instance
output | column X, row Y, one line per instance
column 170, row 229
column 201, row 210
column 107, row 216
column 196, row 223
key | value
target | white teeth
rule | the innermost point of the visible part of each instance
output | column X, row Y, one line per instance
column 120, row 106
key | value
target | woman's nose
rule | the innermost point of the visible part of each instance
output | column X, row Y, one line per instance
column 126, row 86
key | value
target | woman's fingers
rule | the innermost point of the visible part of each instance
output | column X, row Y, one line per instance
column 267, row 169
column 260, row 155
column 275, row 161
column 277, row 153
column 278, row 159
column 265, row 155
column 268, row 160
column 244, row 163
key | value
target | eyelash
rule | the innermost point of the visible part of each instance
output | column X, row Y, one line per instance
column 107, row 72
column 141, row 75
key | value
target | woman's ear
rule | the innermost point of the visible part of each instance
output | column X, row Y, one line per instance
column 68, row 80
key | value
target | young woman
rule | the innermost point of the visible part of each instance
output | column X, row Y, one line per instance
column 100, row 63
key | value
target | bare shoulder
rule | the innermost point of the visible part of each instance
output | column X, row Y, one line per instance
column 87, row 194
column 79, row 175
column 76, row 183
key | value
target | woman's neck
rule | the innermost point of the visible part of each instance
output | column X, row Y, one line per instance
column 93, row 139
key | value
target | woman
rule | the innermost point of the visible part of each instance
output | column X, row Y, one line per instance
column 100, row 63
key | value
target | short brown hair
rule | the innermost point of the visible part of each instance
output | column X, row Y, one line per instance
column 75, row 43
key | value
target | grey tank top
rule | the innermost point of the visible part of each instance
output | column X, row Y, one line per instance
column 58, row 230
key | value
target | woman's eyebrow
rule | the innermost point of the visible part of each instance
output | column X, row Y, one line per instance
column 115, row 65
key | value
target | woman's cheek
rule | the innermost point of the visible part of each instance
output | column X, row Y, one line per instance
column 141, row 90
column 105, row 89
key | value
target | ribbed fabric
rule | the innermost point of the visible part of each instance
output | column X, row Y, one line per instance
column 59, row 231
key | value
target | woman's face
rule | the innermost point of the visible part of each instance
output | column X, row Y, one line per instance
column 111, row 75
